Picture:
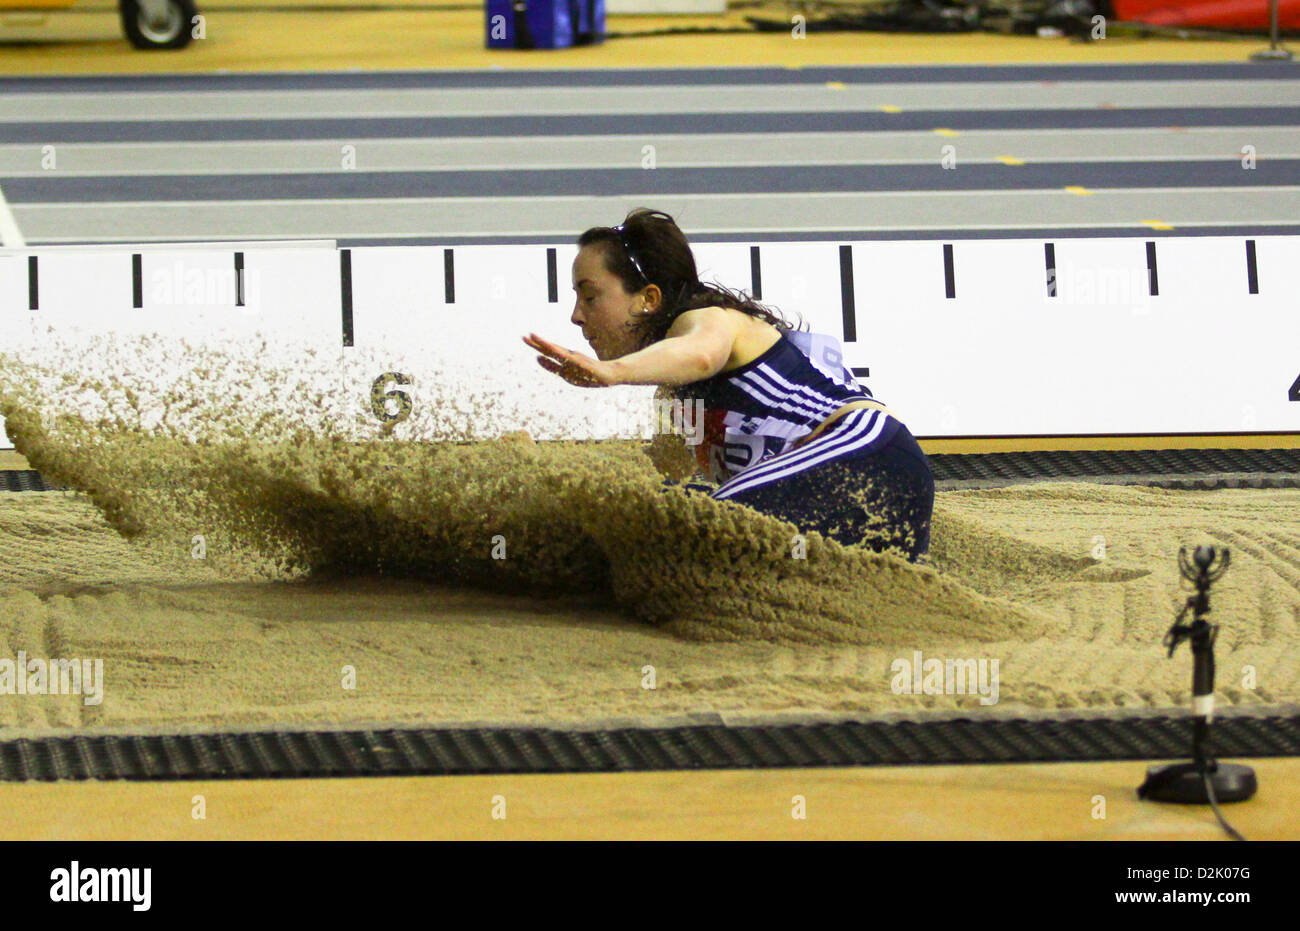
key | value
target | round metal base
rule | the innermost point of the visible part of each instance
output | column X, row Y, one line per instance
column 1181, row 783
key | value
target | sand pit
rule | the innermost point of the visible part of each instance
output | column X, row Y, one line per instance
column 237, row 570
column 183, row 648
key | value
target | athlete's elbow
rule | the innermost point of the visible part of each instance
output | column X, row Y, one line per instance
column 709, row 363
column 691, row 367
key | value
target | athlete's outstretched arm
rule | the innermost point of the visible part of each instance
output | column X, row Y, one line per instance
column 697, row 345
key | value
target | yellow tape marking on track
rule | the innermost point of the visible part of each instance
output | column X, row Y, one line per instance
column 836, row 85
column 890, row 108
column 1157, row 224
column 1010, row 160
column 946, row 132
column 1073, row 189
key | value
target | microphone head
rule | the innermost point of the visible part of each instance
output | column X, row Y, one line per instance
column 1203, row 557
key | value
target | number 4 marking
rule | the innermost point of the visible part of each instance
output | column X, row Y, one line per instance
column 1294, row 393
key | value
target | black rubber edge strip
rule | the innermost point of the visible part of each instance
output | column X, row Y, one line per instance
column 1138, row 464
column 480, row 751
column 1169, row 468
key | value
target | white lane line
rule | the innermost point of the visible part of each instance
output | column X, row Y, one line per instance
column 831, row 161
column 626, row 100
column 10, row 236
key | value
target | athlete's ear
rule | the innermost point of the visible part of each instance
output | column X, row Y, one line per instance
column 653, row 297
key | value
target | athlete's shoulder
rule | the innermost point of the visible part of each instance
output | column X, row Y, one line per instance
column 704, row 313
column 712, row 318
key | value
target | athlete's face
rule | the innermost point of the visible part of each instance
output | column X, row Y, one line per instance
column 603, row 308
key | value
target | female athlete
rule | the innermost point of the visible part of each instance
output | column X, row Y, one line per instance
column 787, row 429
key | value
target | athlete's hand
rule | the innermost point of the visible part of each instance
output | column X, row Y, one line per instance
column 573, row 367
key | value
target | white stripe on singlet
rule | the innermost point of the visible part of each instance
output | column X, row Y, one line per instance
column 811, row 397
column 779, row 385
column 776, row 399
column 860, row 428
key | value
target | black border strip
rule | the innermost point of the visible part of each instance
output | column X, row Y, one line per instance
column 1252, row 271
column 949, row 273
column 755, row 273
column 1049, row 254
column 1223, row 467
column 504, row 750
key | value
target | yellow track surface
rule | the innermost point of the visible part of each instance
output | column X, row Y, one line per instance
column 1016, row 802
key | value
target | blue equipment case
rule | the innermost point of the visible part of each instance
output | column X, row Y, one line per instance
column 534, row 24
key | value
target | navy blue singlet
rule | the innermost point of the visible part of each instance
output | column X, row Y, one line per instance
column 863, row 480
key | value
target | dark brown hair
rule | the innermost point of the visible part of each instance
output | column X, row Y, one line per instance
column 649, row 248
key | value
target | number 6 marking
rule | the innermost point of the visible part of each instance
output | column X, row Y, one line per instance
column 381, row 394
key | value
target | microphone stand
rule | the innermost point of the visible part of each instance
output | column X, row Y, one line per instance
column 1202, row 781
column 1272, row 53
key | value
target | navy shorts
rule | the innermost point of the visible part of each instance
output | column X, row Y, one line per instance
column 881, row 498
